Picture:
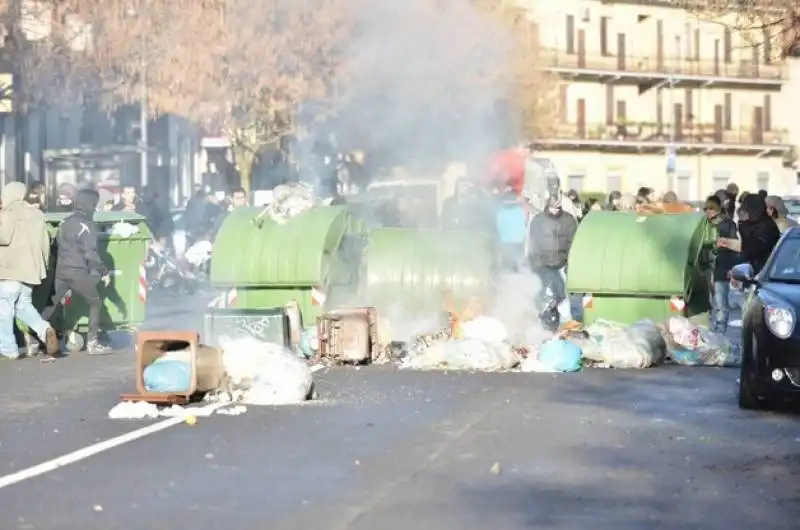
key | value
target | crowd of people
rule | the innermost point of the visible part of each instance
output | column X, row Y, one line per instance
column 748, row 225
column 26, row 251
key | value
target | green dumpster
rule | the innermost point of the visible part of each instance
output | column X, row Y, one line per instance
column 124, row 298
column 628, row 267
column 407, row 271
column 262, row 264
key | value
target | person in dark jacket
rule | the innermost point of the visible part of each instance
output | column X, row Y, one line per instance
column 613, row 200
column 65, row 196
column 723, row 260
column 195, row 219
column 758, row 232
column 238, row 200
column 550, row 237
column 159, row 219
column 79, row 267
column 131, row 202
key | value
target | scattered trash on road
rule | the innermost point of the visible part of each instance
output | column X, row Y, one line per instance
column 260, row 373
column 640, row 345
column 232, row 411
column 694, row 345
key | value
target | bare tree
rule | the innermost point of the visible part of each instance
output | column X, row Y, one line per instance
column 534, row 90
column 241, row 66
column 262, row 70
column 755, row 20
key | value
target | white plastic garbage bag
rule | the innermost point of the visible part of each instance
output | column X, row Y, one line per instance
column 485, row 329
column 264, row 373
column 693, row 345
column 289, row 200
column 639, row 345
column 198, row 253
column 464, row 354
column 123, row 229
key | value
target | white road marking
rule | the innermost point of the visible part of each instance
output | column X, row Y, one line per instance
column 97, row 448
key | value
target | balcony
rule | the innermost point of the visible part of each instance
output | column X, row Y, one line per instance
column 652, row 137
column 639, row 69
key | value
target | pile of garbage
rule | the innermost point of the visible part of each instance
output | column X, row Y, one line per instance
column 260, row 373
column 483, row 345
column 289, row 200
column 252, row 373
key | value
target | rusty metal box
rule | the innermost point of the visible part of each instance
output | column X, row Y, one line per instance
column 349, row 335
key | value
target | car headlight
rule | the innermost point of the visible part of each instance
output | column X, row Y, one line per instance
column 780, row 321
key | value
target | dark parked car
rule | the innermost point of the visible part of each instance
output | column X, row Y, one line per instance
column 770, row 373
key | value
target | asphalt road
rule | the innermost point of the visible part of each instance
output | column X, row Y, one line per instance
column 664, row 448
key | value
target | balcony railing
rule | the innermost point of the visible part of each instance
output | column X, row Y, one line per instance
column 643, row 133
column 665, row 66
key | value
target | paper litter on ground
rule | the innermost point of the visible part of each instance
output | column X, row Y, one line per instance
column 140, row 410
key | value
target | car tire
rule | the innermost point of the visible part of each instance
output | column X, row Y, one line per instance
column 748, row 399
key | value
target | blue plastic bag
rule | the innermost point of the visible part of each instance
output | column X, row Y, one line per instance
column 686, row 357
column 561, row 355
column 168, row 376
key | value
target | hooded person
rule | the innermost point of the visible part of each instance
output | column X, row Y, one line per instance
column 79, row 267
column 24, row 255
column 758, row 233
column 779, row 213
column 65, row 196
column 550, row 238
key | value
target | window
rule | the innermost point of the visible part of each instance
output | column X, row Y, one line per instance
column 570, row 34
column 575, row 182
column 728, row 45
column 614, row 182
column 720, row 179
column 767, row 113
column 766, row 38
column 684, row 185
column 728, row 111
column 762, row 180
column 687, row 36
column 604, row 37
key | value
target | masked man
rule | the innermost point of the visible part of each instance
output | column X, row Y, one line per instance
column 550, row 238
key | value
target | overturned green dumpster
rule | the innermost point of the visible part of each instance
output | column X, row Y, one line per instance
column 407, row 271
column 630, row 267
column 261, row 265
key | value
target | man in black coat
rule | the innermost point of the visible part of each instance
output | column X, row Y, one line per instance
column 79, row 267
column 757, row 231
column 549, row 240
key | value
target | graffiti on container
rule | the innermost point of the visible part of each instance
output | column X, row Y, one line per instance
column 258, row 328
column 264, row 326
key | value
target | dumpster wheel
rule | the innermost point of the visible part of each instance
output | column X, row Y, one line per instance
column 73, row 341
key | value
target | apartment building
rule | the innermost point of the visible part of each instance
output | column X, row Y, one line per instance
column 652, row 96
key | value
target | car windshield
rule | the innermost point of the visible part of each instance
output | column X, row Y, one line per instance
column 793, row 207
column 786, row 262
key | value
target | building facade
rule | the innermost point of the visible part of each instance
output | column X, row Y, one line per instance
column 652, row 96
